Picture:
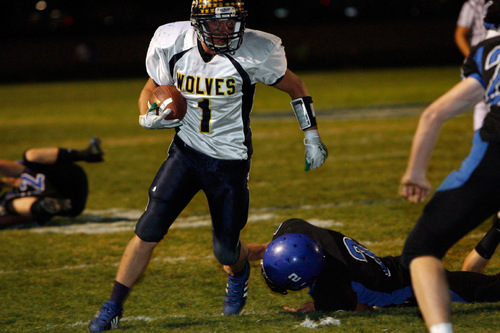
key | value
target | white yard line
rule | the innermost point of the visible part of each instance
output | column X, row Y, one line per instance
column 111, row 227
column 125, row 219
column 166, row 317
column 130, row 218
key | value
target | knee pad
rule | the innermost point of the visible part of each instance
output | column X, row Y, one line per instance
column 154, row 223
column 226, row 254
column 146, row 228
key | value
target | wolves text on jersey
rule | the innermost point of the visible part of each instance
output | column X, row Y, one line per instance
column 206, row 86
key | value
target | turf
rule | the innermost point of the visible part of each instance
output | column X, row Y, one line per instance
column 55, row 282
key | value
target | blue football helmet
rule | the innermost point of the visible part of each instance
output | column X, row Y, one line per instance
column 218, row 13
column 292, row 262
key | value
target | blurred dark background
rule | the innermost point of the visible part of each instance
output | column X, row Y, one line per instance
column 86, row 39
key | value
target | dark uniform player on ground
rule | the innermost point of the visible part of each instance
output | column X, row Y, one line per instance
column 216, row 63
column 467, row 196
column 44, row 184
column 342, row 274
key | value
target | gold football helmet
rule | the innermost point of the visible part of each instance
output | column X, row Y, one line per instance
column 219, row 24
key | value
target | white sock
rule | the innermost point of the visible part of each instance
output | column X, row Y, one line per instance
column 441, row 328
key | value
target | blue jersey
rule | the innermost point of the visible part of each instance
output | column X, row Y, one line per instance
column 482, row 64
column 352, row 272
column 355, row 274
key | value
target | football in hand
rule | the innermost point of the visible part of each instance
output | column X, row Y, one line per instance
column 173, row 100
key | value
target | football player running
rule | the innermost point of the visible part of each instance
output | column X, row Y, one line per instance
column 343, row 274
column 216, row 63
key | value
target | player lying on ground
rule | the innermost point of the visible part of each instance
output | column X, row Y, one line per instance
column 45, row 183
column 342, row 274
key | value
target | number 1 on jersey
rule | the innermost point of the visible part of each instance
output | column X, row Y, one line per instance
column 206, row 115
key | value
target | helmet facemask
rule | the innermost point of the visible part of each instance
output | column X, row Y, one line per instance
column 219, row 27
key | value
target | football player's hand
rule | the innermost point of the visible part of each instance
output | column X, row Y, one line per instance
column 151, row 120
column 306, row 307
column 316, row 152
column 414, row 189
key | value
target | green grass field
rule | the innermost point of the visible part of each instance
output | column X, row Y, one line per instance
column 53, row 279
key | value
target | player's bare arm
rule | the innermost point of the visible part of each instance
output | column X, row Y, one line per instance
column 293, row 85
column 302, row 105
column 362, row 307
column 309, row 306
column 461, row 39
column 10, row 168
column 256, row 251
column 144, row 96
column 414, row 185
column 306, row 307
column 7, row 220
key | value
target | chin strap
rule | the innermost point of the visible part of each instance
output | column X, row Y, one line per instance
column 304, row 111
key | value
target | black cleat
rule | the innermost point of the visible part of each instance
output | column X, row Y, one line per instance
column 95, row 153
column 55, row 206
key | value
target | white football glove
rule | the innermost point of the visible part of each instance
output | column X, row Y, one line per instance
column 151, row 120
column 316, row 152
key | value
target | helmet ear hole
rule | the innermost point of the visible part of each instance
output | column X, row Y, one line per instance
column 292, row 262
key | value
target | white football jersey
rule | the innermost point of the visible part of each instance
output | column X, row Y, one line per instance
column 219, row 93
column 471, row 17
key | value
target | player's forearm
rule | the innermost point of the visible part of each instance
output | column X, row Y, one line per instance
column 144, row 96
column 423, row 144
column 10, row 168
column 461, row 35
column 8, row 220
column 256, row 251
column 362, row 307
column 292, row 85
column 457, row 100
column 143, row 102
